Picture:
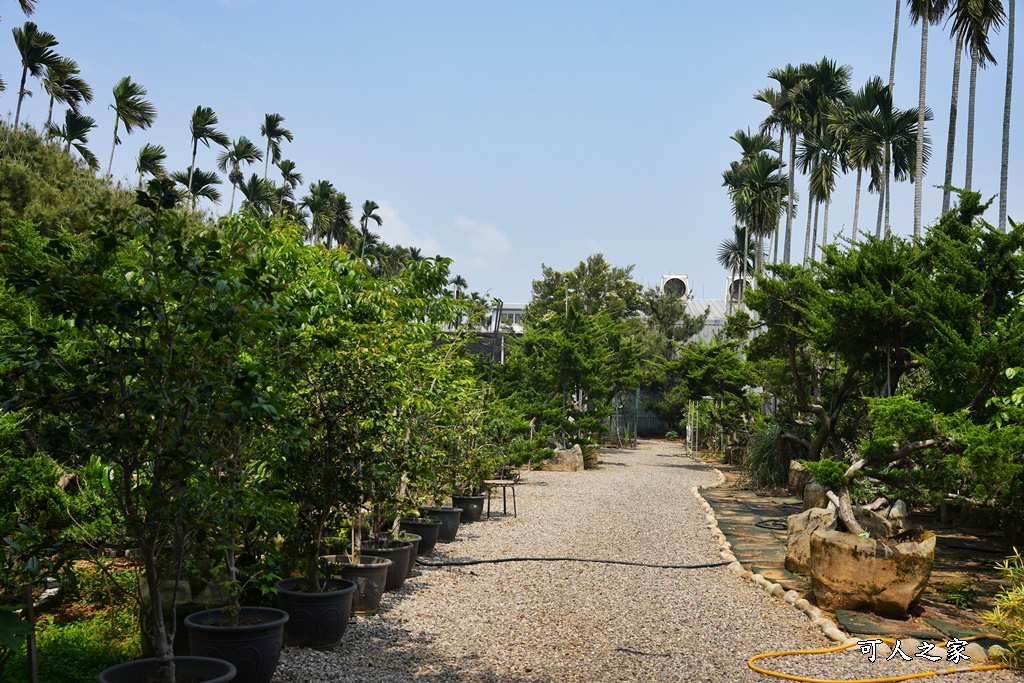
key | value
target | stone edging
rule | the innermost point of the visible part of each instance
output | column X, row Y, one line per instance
column 792, row 598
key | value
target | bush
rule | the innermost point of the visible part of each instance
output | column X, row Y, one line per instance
column 767, row 462
column 1008, row 614
column 671, row 435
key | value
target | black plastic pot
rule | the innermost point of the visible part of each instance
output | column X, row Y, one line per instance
column 204, row 669
column 426, row 530
column 370, row 577
column 472, row 507
column 399, row 552
column 316, row 620
column 254, row 646
column 449, row 521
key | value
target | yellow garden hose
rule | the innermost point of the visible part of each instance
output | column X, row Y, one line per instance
column 837, row 648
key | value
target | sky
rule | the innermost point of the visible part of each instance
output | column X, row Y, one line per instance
column 510, row 135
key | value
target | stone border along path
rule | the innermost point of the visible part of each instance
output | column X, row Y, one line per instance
column 556, row 621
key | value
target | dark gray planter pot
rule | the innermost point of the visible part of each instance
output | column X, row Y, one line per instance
column 370, row 577
column 316, row 620
column 472, row 507
column 204, row 669
column 426, row 530
column 401, row 555
column 449, row 521
column 254, row 646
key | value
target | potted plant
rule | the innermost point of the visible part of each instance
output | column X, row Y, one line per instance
column 158, row 305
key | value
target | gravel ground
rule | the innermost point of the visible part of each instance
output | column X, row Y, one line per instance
column 557, row 621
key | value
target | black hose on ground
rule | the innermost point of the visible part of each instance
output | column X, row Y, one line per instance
column 466, row 563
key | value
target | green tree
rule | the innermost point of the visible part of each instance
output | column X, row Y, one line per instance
column 202, row 128
column 131, row 107
column 64, row 84
column 787, row 115
column 1004, row 166
column 369, row 214
column 863, row 152
column 75, row 132
column 924, row 12
column 241, row 151
column 973, row 19
column 34, row 47
column 274, row 132
column 260, row 196
column 151, row 161
column 198, row 183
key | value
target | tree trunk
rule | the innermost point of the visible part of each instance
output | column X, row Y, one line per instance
column 1004, row 167
column 160, row 638
column 49, row 114
column 824, row 227
column 814, row 234
column 881, row 210
column 951, row 135
column 856, row 207
column 113, row 145
column 919, row 168
column 775, row 239
column 743, row 265
column 789, row 208
column 968, row 176
column 21, row 96
column 807, row 236
column 895, row 39
column 888, row 188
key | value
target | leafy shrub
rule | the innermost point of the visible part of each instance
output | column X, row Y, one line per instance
column 1008, row 614
column 671, row 435
column 831, row 474
column 76, row 652
column 767, row 462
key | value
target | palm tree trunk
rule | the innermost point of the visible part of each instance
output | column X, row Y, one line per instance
column 807, row 236
column 113, row 145
column 919, row 168
column 266, row 164
column 1004, row 167
column 792, row 188
column 968, row 176
column 887, row 191
column 951, row 136
column 895, row 39
column 856, row 207
column 775, row 239
column 758, row 257
column 824, row 227
column 49, row 114
column 882, row 191
column 743, row 266
column 231, row 209
column 814, row 235
column 21, row 96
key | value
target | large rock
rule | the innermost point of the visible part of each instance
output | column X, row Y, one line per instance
column 801, row 526
column 851, row 572
column 798, row 477
column 874, row 523
column 570, row 460
column 814, row 495
column 899, row 515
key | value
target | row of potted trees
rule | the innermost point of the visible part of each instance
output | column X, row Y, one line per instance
column 251, row 396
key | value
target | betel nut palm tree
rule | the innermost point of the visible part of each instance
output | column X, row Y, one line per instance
column 274, row 132
column 786, row 115
column 34, row 47
column 925, row 12
column 132, row 108
column 321, row 206
column 75, row 132
column 150, row 161
column 973, row 19
column 241, row 151
column 369, row 214
column 199, row 183
column 1004, row 166
column 202, row 127
column 64, row 84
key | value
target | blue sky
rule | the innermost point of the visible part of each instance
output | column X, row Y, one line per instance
column 506, row 135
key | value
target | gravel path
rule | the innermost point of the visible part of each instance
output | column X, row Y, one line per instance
column 554, row 621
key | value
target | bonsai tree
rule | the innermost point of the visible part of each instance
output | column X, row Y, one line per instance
column 132, row 360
